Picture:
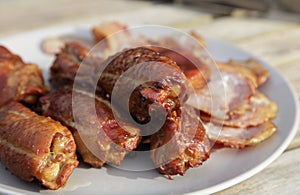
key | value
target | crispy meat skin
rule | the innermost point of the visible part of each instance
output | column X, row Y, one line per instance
column 35, row 147
column 178, row 145
column 58, row 105
column 19, row 81
column 66, row 64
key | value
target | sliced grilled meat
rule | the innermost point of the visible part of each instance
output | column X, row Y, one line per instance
column 239, row 137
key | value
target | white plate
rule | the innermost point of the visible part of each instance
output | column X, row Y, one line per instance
column 225, row 167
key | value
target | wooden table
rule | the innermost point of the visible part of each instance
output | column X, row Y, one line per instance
column 275, row 41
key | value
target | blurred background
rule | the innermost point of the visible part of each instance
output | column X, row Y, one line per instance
column 18, row 15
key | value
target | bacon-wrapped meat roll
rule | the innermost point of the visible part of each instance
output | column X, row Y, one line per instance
column 35, row 147
column 108, row 140
column 180, row 144
column 19, row 81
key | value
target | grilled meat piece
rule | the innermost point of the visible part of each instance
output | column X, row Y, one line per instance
column 180, row 144
column 108, row 142
column 153, row 78
column 19, row 81
column 66, row 64
column 163, row 84
column 35, row 147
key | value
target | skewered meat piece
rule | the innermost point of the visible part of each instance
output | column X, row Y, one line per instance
column 35, row 147
column 180, row 144
column 19, row 81
column 239, row 137
column 251, row 112
column 108, row 142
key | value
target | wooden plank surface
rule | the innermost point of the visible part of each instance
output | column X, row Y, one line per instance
column 46, row 13
column 236, row 29
column 291, row 71
column 277, row 47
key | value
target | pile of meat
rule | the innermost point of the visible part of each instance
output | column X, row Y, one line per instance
column 199, row 110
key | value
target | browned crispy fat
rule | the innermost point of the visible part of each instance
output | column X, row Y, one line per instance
column 35, row 147
column 261, row 73
column 19, row 81
column 240, row 137
column 111, row 145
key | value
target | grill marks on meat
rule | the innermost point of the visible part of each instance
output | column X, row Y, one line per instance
column 19, row 81
column 107, row 139
column 35, row 147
